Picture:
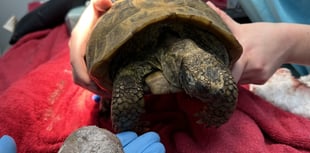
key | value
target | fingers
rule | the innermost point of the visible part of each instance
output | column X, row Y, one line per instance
column 126, row 137
column 237, row 71
column 235, row 28
column 238, row 68
column 227, row 19
column 216, row 9
column 78, row 42
column 155, row 148
column 245, row 71
column 7, row 144
column 81, row 78
column 144, row 142
column 102, row 5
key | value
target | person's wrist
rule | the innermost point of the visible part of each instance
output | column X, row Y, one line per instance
column 297, row 43
column 283, row 42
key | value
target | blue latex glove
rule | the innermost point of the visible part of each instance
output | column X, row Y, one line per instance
column 7, row 144
column 147, row 143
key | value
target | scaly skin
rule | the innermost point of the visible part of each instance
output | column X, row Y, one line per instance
column 209, row 76
column 203, row 76
column 127, row 96
column 186, row 66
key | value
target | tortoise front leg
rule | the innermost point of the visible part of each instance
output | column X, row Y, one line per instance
column 127, row 96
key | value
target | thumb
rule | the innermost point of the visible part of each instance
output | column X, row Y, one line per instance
column 226, row 18
column 237, row 70
column 102, row 5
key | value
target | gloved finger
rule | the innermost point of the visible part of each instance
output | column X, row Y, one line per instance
column 7, row 144
column 156, row 147
column 143, row 141
column 126, row 137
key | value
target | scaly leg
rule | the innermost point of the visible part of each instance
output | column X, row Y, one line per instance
column 127, row 96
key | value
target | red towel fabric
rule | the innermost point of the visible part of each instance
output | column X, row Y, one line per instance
column 40, row 106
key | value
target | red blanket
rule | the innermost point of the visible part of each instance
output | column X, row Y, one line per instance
column 40, row 106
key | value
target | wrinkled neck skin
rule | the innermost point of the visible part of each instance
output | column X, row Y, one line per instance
column 175, row 55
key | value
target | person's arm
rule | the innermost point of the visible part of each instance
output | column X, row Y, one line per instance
column 298, row 39
column 266, row 46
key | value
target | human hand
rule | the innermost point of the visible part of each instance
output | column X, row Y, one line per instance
column 79, row 37
column 147, row 143
column 7, row 144
column 263, row 49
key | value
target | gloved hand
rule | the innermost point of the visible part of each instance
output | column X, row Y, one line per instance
column 7, row 144
column 147, row 143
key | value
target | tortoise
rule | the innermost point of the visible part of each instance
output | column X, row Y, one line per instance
column 163, row 46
